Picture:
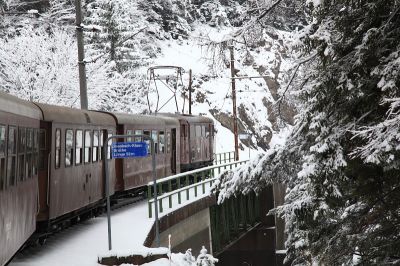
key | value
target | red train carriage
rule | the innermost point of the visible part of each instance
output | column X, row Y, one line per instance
column 196, row 141
column 19, row 129
column 137, row 172
column 70, row 167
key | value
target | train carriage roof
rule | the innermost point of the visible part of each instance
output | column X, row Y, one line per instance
column 150, row 120
column 61, row 114
column 188, row 118
column 12, row 104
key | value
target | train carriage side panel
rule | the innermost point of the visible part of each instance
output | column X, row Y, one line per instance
column 195, row 141
column 19, row 126
column 137, row 172
column 73, row 179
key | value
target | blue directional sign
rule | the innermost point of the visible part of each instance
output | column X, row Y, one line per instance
column 129, row 149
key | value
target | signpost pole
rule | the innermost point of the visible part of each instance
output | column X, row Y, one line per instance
column 107, row 187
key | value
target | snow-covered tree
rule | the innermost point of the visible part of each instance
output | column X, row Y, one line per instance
column 42, row 66
column 341, row 161
column 119, row 39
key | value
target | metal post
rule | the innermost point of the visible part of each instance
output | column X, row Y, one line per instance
column 235, row 129
column 190, row 91
column 107, row 187
column 81, row 56
column 153, row 155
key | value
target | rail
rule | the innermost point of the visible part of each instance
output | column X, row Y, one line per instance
column 224, row 157
column 188, row 183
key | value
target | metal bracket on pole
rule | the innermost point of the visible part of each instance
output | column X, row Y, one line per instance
column 107, row 183
column 153, row 78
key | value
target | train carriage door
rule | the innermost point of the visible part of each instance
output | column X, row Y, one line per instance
column 44, row 173
column 211, row 141
column 173, row 150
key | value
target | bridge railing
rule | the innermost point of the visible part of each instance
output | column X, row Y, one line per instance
column 191, row 184
column 233, row 218
column 224, row 157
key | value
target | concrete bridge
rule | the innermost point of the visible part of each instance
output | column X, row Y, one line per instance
column 238, row 232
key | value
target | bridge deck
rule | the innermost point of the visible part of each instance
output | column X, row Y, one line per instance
column 83, row 243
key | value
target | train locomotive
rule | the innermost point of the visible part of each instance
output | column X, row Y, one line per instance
column 51, row 163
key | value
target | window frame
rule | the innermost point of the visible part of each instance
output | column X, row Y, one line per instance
column 89, row 151
column 28, row 153
column 168, row 142
column 109, row 134
column 12, row 181
column 21, row 151
column 161, row 146
column 154, row 132
column 129, row 132
column 79, row 149
column 148, row 141
column 35, row 159
column 57, row 148
column 138, row 132
column 72, row 148
column 95, row 148
column 3, row 158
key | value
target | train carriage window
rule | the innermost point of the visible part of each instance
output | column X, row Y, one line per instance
column 198, row 131
column 168, row 142
column 29, row 147
column 162, row 142
column 2, row 140
column 207, row 128
column 154, row 136
column 35, row 152
column 88, row 146
column 78, row 147
column 95, row 152
column 69, row 147
column 58, row 148
column 42, row 148
column 109, row 145
column 21, row 153
column 101, row 145
column 138, row 132
column 2, row 156
column 12, row 156
column 129, row 132
column 203, row 131
column 147, row 133
column 192, row 132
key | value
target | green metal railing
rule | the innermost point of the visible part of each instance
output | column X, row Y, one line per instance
column 233, row 217
column 194, row 182
column 224, row 157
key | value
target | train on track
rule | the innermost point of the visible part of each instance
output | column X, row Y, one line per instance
column 51, row 163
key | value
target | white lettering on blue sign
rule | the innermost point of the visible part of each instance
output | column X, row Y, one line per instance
column 129, row 149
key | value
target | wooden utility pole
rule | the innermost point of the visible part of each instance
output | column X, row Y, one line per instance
column 190, row 91
column 81, row 56
column 235, row 129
